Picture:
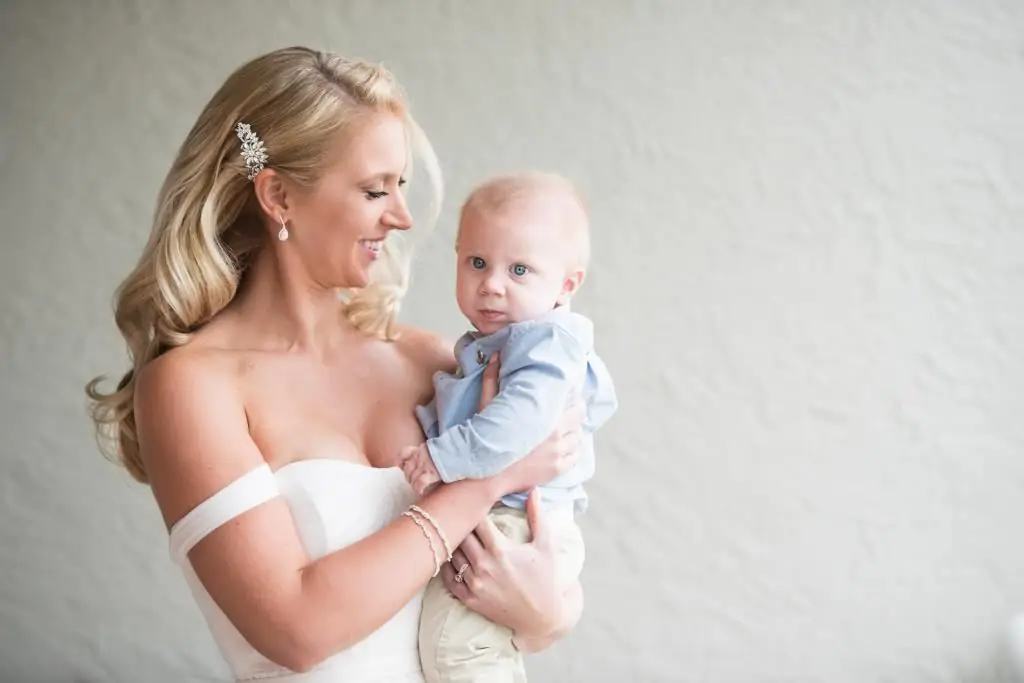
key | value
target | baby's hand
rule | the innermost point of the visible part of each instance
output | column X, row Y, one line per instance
column 419, row 469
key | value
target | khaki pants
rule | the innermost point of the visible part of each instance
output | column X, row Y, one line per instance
column 457, row 645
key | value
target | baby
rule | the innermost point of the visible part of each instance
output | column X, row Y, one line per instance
column 522, row 249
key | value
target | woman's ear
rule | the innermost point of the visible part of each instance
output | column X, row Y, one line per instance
column 272, row 194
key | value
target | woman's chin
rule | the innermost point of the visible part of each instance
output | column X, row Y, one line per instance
column 361, row 271
column 357, row 277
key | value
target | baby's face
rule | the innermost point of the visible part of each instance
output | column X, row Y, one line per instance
column 512, row 266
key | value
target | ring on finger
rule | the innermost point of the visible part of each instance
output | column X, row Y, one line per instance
column 458, row 575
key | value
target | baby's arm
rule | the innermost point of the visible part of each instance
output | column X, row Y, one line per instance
column 542, row 365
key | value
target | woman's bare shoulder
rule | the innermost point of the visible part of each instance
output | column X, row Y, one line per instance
column 192, row 426
column 188, row 368
column 427, row 349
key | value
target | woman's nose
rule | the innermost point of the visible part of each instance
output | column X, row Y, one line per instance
column 398, row 216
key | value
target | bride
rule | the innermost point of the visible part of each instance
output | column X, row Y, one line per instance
column 266, row 412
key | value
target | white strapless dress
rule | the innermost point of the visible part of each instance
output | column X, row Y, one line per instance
column 334, row 503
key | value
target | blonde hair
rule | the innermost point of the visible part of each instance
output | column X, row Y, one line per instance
column 530, row 188
column 207, row 226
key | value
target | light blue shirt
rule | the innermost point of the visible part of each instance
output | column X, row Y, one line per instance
column 544, row 362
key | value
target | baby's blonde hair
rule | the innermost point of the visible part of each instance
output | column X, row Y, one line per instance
column 207, row 226
column 521, row 189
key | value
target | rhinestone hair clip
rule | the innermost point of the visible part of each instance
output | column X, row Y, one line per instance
column 253, row 150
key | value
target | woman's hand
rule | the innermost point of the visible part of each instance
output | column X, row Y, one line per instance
column 555, row 456
column 513, row 584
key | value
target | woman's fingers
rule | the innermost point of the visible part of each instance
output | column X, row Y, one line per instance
column 473, row 550
column 538, row 523
column 490, row 537
column 460, row 589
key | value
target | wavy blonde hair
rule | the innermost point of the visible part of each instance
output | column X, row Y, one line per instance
column 207, row 227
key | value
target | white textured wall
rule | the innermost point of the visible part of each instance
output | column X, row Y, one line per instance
column 808, row 274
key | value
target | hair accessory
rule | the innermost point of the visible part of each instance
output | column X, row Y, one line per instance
column 253, row 150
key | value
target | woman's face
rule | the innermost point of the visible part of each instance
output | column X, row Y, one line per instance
column 339, row 225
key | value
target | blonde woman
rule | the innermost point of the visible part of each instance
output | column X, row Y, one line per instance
column 266, row 412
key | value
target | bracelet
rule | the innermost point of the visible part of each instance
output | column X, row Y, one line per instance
column 437, row 527
column 430, row 541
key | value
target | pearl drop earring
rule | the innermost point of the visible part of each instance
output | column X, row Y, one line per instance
column 282, row 234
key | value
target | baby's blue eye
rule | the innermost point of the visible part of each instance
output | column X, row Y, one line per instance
column 477, row 262
column 520, row 270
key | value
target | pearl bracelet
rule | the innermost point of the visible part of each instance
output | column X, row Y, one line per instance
column 430, row 540
column 437, row 527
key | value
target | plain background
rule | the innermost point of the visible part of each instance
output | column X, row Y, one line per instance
column 808, row 273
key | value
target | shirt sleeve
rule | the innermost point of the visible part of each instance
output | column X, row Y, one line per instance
column 603, row 400
column 427, row 416
column 541, row 364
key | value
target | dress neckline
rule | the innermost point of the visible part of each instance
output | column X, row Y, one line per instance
column 332, row 461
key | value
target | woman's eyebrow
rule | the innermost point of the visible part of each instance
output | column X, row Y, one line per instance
column 383, row 176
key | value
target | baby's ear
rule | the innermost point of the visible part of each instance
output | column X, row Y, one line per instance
column 573, row 281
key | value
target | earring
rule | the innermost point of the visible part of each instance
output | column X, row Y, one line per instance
column 282, row 234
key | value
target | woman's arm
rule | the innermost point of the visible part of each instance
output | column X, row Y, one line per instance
column 194, row 437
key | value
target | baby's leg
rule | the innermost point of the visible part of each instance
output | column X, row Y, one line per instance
column 566, row 536
column 457, row 645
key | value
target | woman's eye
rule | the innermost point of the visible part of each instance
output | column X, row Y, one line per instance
column 477, row 263
column 520, row 270
column 372, row 194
